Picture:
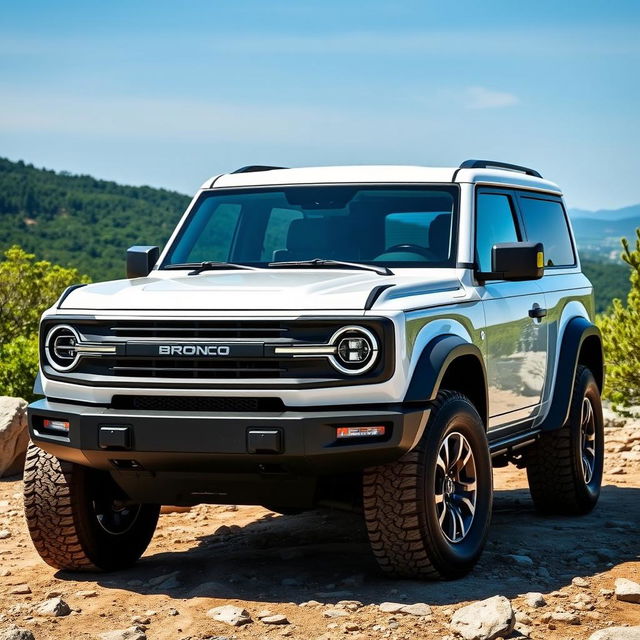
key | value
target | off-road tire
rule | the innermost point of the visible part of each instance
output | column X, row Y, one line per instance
column 554, row 468
column 59, row 500
column 400, row 503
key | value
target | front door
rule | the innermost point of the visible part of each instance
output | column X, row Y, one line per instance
column 516, row 340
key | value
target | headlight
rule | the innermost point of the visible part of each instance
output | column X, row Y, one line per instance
column 356, row 350
column 60, row 347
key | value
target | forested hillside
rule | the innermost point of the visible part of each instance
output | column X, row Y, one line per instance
column 82, row 222
column 79, row 221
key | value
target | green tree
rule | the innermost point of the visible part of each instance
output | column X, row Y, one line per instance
column 620, row 328
column 27, row 288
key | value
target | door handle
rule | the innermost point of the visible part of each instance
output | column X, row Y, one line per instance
column 537, row 312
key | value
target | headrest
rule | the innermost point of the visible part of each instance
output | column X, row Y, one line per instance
column 439, row 235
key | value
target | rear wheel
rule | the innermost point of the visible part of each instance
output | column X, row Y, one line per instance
column 78, row 519
column 428, row 513
column 564, row 467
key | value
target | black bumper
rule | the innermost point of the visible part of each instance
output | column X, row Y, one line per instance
column 192, row 457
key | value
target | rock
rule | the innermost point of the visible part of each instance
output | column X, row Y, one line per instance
column 534, row 599
column 132, row 633
column 14, row 435
column 230, row 614
column 617, row 633
column 275, row 619
column 351, row 605
column 265, row 613
column 21, row 590
column 522, row 561
column 417, row 609
column 166, row 581
column 566, row 617
column 484, row 620
column 55, row 607
column 15, row 633
column 580, row 582
column 4, row 534
column 391, row 607
column 141, row 620
column 627, row 590
column 87, row 594
column 334, row 613
column 351, row 626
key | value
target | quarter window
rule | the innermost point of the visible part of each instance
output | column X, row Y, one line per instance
column 545, row 221
column 495, row 223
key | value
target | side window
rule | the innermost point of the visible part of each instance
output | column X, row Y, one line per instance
column 545, row 221
column 277, row 231
column 495, row 223
column 216, row 238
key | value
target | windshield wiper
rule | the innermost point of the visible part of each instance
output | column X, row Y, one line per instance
column 207, row 265
column 323, row 262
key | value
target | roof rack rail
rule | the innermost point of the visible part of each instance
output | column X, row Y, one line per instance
column 487, row 164
column 255, row 167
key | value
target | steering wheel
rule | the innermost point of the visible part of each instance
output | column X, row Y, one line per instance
column 409, row 247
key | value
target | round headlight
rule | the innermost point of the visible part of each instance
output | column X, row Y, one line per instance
column 356, row 350
column 60, row 347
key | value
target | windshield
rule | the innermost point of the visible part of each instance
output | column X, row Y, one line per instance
column 399, row 226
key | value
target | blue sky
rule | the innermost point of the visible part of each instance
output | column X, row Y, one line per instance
column 168, row 93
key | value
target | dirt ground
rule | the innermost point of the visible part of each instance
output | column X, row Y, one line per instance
column 251, row 557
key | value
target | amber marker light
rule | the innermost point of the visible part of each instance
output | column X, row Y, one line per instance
column 360, row 432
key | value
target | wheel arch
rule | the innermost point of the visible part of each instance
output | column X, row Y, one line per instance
column 450, row 362
column 581, row 343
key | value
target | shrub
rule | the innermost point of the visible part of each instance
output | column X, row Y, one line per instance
column 27, row 288
column 620, row 328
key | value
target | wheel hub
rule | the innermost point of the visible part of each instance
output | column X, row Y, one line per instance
column 587, row 440
column 455, row 487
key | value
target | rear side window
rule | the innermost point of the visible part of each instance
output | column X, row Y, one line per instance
column 545, row 221
column 495, row 223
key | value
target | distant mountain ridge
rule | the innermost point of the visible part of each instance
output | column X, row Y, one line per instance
column 79, row 221
column 632, row 211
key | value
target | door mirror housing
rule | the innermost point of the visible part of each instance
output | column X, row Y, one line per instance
column 140, row 260
column 515, row 261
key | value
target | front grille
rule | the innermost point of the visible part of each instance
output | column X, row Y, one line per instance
column 197, row 403
column 136, row 360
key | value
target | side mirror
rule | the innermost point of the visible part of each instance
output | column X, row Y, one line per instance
column 140, row 261
column 515, row 261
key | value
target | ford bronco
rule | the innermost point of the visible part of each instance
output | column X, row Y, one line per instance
column 378, row 337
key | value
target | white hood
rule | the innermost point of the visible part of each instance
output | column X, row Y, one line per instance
column 269, row 290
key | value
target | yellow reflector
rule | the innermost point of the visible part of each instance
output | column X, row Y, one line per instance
column 360, row 432
column 56, row 425
column 540, row 260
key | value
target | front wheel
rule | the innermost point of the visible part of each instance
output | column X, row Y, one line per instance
column 78, row 519
column 428, row 513
column 564, row 467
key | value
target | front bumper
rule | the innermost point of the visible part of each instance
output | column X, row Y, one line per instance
column 190, row 457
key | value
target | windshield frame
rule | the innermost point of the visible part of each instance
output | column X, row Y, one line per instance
column 451, row 187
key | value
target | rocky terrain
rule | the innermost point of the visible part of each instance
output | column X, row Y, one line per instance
column 225, row 572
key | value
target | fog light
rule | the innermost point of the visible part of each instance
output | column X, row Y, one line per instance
column 55, row 425
column 360, row 432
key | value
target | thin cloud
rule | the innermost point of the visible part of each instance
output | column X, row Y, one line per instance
column 483, row 98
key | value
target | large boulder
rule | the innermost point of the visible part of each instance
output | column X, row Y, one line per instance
column 14, row 435
column 486, row 620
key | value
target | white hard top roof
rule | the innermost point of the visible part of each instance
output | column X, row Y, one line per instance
column 379, row 174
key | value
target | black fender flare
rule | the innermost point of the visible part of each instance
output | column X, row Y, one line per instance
column 577, row 331
column 432, row 365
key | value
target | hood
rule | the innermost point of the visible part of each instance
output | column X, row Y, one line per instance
column 272, row 290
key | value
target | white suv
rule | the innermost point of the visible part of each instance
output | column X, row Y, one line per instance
column 378, row 336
